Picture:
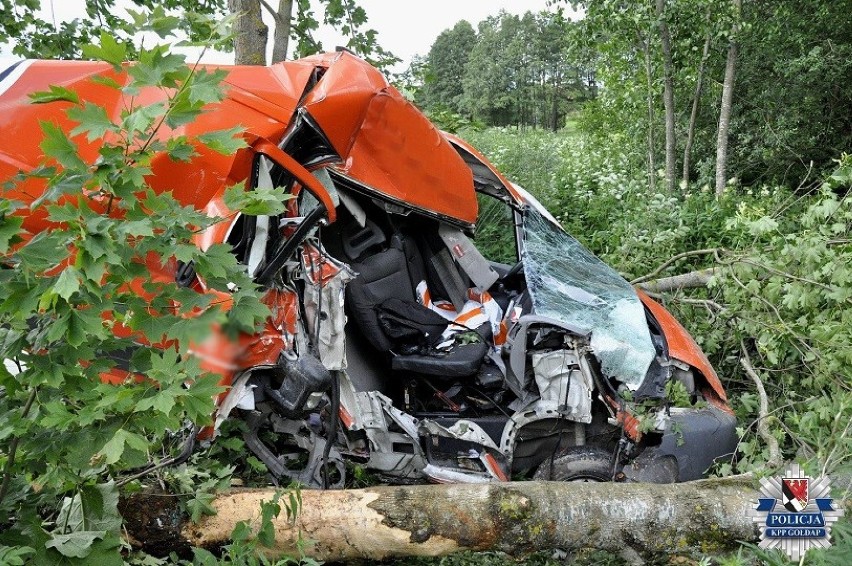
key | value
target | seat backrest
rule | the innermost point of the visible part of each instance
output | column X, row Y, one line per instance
column 381, row 276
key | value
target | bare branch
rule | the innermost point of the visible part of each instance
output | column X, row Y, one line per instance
column 763, row 411
column 272, row 11
column 785, row 274
column 837, row 443
column 780, row 318
column 670, row 261
column 711, row 304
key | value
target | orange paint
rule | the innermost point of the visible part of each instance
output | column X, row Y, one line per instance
column 682, row 347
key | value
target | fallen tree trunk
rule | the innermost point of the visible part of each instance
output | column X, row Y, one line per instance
column 434, row 520
column 690, row 280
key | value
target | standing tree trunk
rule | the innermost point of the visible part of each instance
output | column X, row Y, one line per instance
column 652, row 166
column 668, row 95
column 699, row 85
column 250, row 33
column 281, row 38
column 554, row 103
column 727, row 103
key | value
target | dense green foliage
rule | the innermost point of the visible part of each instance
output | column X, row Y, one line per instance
column 32, row 30
column 522, row 70
column 785, row 278
column 791, row 112
column 793, row 108
column 66, row 436
column 445, row 66
column 783, row 289
column 36, row 34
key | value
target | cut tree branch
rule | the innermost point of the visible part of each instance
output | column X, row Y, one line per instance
column 709, row 304
column 691, row 280
column 671, row 260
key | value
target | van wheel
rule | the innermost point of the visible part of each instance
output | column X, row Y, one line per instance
column 580, row 464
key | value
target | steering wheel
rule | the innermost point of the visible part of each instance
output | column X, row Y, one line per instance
column 514, row 270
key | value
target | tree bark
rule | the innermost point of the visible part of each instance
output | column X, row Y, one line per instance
column 775, row 458
column 693, row 116
column 690, row 280
column 250, row 32
column 652, row 167
column 516, row 518
column 727, row 104
column 281, row 38
column 668, row 95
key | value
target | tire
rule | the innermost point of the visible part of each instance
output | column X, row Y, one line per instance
column 580, row 464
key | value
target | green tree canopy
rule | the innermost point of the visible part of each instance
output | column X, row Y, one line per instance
column 446, row 64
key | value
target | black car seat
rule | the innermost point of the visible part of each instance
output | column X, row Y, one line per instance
column 389, row 278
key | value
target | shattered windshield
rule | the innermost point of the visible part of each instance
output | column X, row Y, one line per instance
column 569, row 284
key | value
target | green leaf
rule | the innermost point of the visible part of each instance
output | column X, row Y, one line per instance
column 106, row 552
column 268, row 511
column 10, row 227
column 55, row 93
column 136, row 228
column 182, row 111
column 141, row 119
column 158, row 67
column 76, row 544
column 226, row 142
column 8, row 206
column 93, row 508
column 68, row 283
column 93, row 120
column 206, row 87
column 106, row 81
column 84, row 325
column 101, row 506
column 164, row 26
column 15, row 555
column 199, row 506
column 114, row 448
column 57, row 145
column 71, row 181
column 179, row 149
column 259, row 201
column 57, row 417
column 248, row 311
column 201, row 557
column 162, row 401
column 44, row 251
column 199, row 400
column 109, row 50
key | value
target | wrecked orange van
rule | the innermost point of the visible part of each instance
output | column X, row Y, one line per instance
column 399, row 341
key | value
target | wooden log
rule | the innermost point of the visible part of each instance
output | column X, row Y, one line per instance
column 516, row 518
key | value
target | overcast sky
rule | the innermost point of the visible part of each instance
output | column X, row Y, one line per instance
column 409, row 28
column 404, row 27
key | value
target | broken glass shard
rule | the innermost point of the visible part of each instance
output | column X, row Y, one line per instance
column 570, row 284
